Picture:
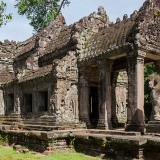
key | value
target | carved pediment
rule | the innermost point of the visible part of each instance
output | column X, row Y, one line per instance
column 147, row 31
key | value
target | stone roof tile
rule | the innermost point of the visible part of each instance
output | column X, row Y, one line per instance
column 59, row 41
column 108, row 38
column 38, row 73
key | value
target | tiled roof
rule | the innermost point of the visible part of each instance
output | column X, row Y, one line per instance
column 59, row 40
column 107, row 39
column 35, row 74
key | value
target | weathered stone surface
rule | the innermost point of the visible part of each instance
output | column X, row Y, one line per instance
column 154, row 84
column 18, row 147
column 73, row 75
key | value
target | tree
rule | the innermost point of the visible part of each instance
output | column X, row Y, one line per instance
column 148, row 71
column 40, row 12
column 4, row 18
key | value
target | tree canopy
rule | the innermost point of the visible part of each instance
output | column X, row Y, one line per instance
column 40, row 12
column 4, row 18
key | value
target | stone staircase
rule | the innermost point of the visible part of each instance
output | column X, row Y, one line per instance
column 38, row 124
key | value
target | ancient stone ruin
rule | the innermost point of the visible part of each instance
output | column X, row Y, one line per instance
column 80, row 78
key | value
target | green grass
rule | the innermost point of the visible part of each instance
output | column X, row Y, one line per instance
column 10, row 154
column 70, row 156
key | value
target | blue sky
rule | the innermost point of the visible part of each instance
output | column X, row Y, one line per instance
column 19, row 29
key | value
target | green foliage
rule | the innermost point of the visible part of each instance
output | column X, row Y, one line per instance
column 73, row 143
column 148, row 71
column 109, row 146
column 39, row 12
column 3, row 139
column 4, row 18
column 156, row 13
column 70, row 156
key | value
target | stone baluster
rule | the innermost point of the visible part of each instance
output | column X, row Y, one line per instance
column 135, row 111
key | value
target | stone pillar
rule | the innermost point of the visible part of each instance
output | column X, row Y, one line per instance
column 83, row 98
column 18, row 100
column 113, row 100
column 35, row 108
column 105, row 94
column 51, row 109
column 2, row 109
column 135, row 111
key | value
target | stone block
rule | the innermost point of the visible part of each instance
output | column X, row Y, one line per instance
column 25, row 150
column 17, row 147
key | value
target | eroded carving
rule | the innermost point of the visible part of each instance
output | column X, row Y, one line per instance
column 154, row 84
column 121, row 100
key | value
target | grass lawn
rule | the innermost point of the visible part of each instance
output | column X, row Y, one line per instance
column 10, row 154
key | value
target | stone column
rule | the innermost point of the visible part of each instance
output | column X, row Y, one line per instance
column 135, row 111
column 105, row 94
column 83, row 98
column 2, row 109
column 35, row 108
column 18, row 100
column 51, row 108
column 113, row 99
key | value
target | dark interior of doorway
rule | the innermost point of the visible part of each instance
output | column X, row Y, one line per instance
column 10, row 102
column 43, row 101
column 93, row 101
column 28, row 102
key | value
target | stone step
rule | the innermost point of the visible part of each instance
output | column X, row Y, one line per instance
column 15, row 119
column 38, row 126
column 39, row 121
column 9, row 123
column 137, row 140
column 47, row 127
column 113, row 132
column 5, row 127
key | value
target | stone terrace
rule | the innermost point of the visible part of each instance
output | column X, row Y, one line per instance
column 58, row 88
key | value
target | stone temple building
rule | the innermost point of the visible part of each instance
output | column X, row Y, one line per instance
column 88, row 74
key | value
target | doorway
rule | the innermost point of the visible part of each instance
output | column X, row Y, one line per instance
column 10, row 102
column 28, row 102
column 43, row 101
column 93, row 101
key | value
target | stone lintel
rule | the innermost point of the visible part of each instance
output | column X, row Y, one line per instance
column 138, row 54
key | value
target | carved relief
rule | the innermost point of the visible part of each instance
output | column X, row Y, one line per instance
column 1, row 103
column 148, row 26
column 66, row 67
column 154, row 84
column 66, row 72
column 71, row 109
column 121, row 100
column 119, row 97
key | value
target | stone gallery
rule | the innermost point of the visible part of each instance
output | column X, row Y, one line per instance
column 86, row 75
